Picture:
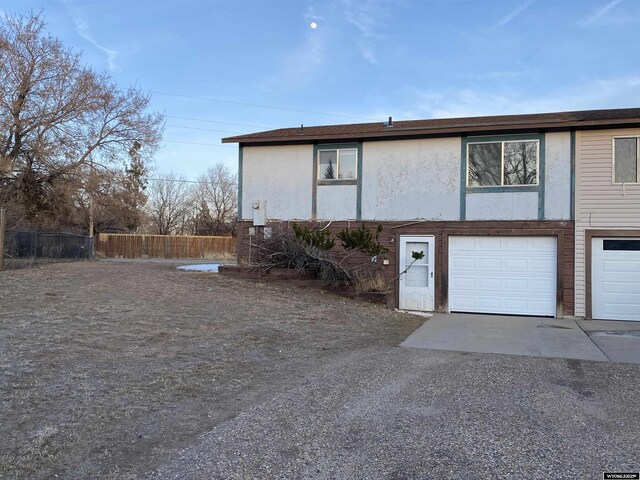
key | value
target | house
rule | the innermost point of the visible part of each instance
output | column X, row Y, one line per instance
column 607, row 200
column 490, row 200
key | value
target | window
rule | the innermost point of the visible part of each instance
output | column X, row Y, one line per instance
column 625, row 160
column 629, row 245
column 508, row 163
column 338, row 164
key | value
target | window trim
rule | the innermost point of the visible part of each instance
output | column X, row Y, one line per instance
column 613, row 159
column 530, row 186
column 337, row 181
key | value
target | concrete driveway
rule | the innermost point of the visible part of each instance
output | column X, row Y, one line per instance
column 605, row 341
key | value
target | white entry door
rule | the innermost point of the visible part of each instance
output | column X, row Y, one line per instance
column 615, row 278
column 417, row 276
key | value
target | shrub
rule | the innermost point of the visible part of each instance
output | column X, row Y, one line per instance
column 363, row 240
column 283, row 249
column 320, row 239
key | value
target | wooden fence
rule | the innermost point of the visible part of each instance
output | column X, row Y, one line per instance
column 114, row 245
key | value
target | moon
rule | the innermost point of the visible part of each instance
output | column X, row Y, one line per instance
column 313, row 25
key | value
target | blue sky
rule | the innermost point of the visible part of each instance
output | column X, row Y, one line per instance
column 365, row 61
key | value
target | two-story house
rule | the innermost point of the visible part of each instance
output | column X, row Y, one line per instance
column 490, row 200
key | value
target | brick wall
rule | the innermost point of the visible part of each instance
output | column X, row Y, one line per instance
column 564, row 230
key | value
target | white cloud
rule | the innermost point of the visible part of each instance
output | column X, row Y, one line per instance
column 83, row 31
column 599, row 13
column 514, row 13
column 617, row 92
column 363, row 14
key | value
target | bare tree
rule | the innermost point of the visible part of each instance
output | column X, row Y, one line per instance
column 169, row 204
column 217, row 201
column 60, row 121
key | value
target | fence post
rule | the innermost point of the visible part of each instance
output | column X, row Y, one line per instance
column 3, row 225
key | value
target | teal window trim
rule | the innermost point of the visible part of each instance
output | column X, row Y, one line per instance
column 572, row 207
column 357, row 181
column 240, row 182
column 465, row 190
column 463, row 179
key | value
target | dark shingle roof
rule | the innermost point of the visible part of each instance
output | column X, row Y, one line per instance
column 445, row 126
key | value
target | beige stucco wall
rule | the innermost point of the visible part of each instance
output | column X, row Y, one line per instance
column 411, row 179
column 557, row 187
column 280, row 175
column 599, row 203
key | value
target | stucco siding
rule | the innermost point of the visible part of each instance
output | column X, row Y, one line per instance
column 411, row 179
column 280, row 175
column 600, row 204
column 336, row 202
column 502, row 206
column 557, row 186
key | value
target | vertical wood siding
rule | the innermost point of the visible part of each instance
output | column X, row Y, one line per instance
column 599, row 202
column 164, row 246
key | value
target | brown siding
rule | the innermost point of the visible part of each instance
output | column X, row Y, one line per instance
column 391, row 232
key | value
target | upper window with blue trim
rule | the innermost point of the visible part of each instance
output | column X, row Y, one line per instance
column 337, row 164
column 503, row 163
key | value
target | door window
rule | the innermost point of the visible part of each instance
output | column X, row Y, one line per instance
column 417, row 271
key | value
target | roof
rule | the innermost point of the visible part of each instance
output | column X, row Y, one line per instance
column 558, row 121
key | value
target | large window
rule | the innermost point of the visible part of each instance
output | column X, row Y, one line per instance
column 337, row 164
column 508, row 163
column 626, row 158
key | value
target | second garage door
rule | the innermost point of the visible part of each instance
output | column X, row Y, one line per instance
column 506, row 275
column 615, row 278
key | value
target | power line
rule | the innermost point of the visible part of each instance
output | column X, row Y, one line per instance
column 205, row 129
column 204, row 144
column 215, row 121
column 210, row 99
column 177, row 180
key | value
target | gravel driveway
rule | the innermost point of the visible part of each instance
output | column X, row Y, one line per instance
column 403, row 413
column 141, row 371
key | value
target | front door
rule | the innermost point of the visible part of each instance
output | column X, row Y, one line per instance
column 417, row 275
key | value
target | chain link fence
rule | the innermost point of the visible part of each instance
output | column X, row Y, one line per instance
column 25, row 249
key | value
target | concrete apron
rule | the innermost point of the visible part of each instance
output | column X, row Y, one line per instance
column 529, row 336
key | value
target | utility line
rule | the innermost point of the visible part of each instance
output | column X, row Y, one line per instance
column 178, row 180
column 204, row 144
column 205, row 129
column 210, row 99
column 215, row 121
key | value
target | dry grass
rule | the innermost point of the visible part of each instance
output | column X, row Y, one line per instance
column 217, row 255
column 370, row 282
column 107, row 369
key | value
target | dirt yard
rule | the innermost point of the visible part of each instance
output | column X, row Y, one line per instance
column 106, row 369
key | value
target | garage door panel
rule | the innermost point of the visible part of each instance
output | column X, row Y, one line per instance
column 514, row 285
column 616, row 308
column 489, row 284
column 487, row 263
column 542, row 286
column 509, row 275
column 620, row 266
column 514, row 264
column 547, row 265
column 620, row 288
column 488, row 243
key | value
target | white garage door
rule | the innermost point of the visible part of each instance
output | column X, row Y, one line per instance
column 615, row 278
column 509, row 275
